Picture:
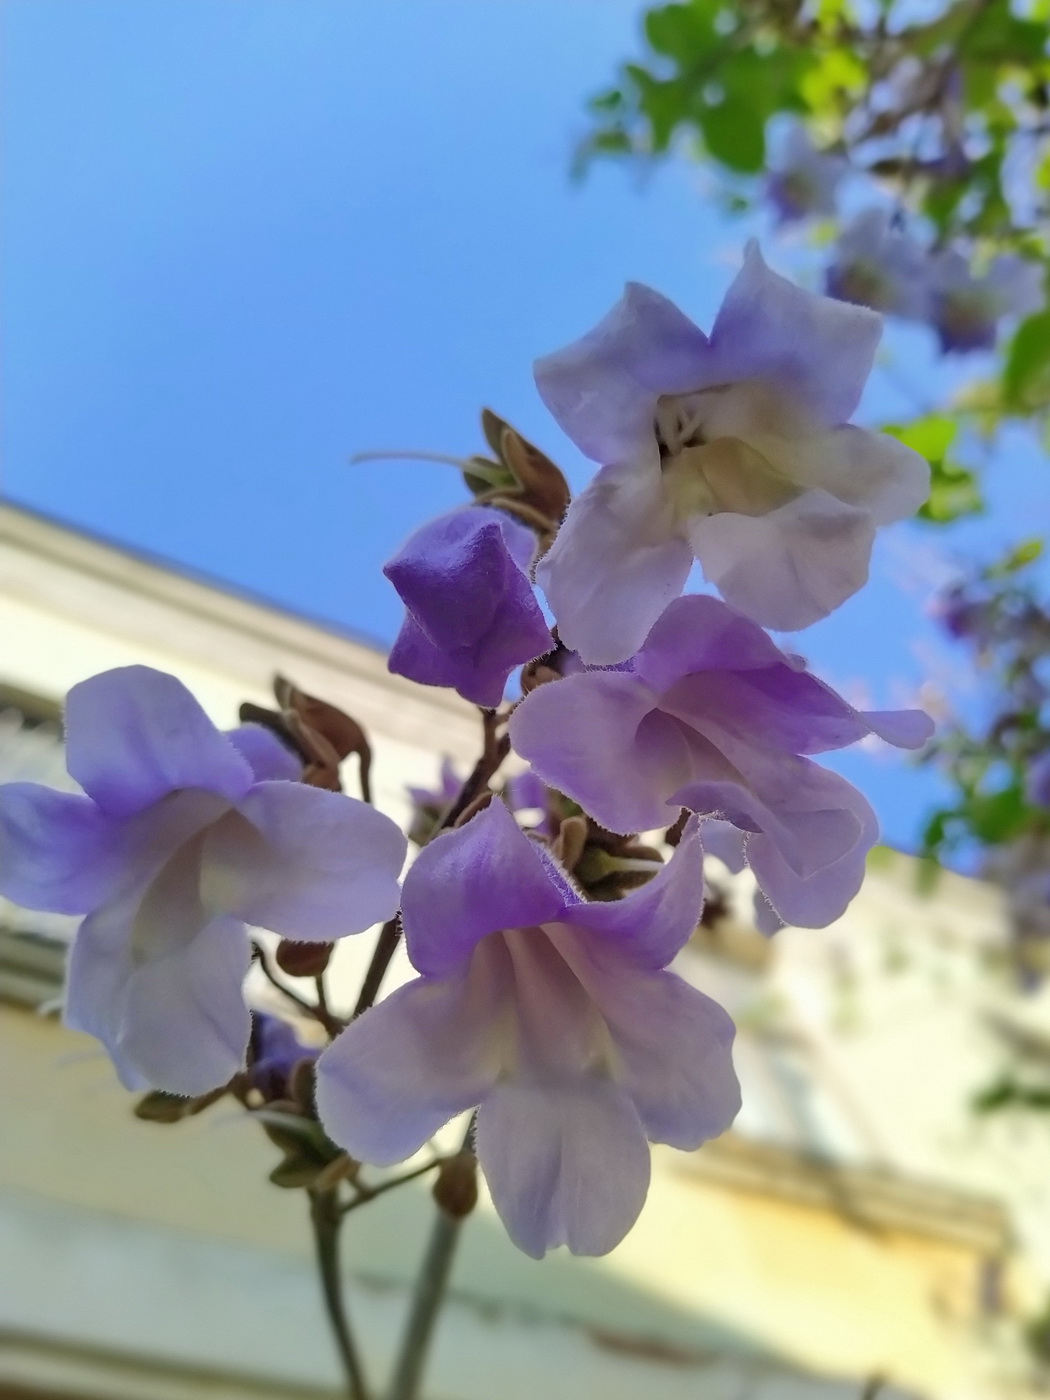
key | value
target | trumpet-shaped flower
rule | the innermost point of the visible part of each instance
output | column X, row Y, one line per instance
column 471, row 614
column 805, row 180
column 879, row 265
column 554, row 1017
column 183, row 837
column 714, row 718
column 733, row 449
column 967, row 308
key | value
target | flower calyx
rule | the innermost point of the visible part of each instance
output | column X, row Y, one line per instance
column 319, row 733
column 456, row 1189
column 522, row 480
column 604, row 865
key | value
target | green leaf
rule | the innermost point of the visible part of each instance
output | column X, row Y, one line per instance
column 683, row 32
column 954, row 493
column 1023, row 554
column 734, row 133
column 995, row 817
column 954, row 489
column 1026, row 374
column 665, row 102
column 930, row 436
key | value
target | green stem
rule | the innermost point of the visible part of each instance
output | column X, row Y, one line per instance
column 326, row 1219
column 426, row 1302
column 428, row 1295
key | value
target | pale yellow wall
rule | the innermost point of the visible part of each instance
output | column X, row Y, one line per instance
column 706, row 1268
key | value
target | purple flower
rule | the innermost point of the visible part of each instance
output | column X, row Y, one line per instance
column 471, row 614
column 430, row 804
column 729, row 845
column 964, row 617
column 733, row 449
column 555, row 1017
column 715, row 718
column 1037, row 786
column 185, row 836
column 438, row 798
column 277, row 1051
column 967, row 309
column 877, row 264
column 804, row 180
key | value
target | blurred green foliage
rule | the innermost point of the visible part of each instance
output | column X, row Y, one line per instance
column 945, row 110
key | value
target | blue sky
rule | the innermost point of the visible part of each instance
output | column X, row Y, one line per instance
column 247, row 238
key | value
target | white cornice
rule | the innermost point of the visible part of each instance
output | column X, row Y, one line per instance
column 62, row 571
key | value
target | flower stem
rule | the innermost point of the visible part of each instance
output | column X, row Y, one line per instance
column 325, row 1216
column 386, row 947
column 494, row 751
column 426, row 1301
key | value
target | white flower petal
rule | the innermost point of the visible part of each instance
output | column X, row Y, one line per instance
column 305, row 863
column 616, row 563
column 792, row 567
column 401, row 1070
column 566, row 1163
column 134, row 734
column 186, row 1025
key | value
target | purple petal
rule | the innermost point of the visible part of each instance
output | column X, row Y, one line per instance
column 723, row 841
column 57, row 851
column 472, row 881
column 699, row 633
column 602, row 389
column 185, row 1025
column 524, row 791
column 767, row 920
column 674, row 1052
column 791, row 567
column 599, row 738
column 904, row 729
column 819, row 894
column 716, row 668
column 398, row 1073
column 1037, row 784
column 134, row 734
column 472, row 614
column 804, row 810
column 414, row 655
column 305, row 863
column 818, row 349
column 615, row 564
column 566, row 1164
column 776, row 709
column 96, row 983
column 878, row 264
column 268, row 758
column 651, row 924
column 1018, row 284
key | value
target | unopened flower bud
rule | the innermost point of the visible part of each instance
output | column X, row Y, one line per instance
column 569, row 844
column 456, row 1187
column 303, row 959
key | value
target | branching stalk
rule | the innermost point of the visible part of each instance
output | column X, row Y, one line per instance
column 326, row 1218
column 426, row 1302
column 494, row 751
column 428, row 1296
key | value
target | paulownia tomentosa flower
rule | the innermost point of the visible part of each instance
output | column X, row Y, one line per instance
column 710, row 715
column 184, row 836
column 733, row 449
column 555, row 1017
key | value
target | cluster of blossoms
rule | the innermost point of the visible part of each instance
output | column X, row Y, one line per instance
column 997, row 752
column 544, row 1000
column 879, row 264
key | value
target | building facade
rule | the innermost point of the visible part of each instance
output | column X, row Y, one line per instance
column 860, row 1232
